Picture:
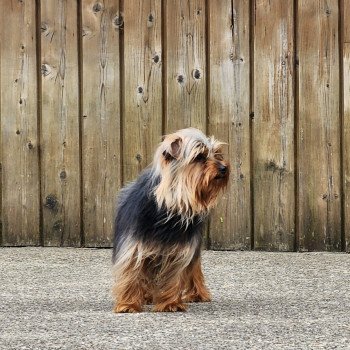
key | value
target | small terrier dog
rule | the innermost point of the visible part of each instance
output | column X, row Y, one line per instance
column 158, row 224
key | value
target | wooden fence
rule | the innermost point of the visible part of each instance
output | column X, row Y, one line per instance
column 88, row 88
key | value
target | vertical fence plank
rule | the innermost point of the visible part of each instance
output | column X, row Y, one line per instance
column 319, row 126
column 346, row 124
column 60, row 123
column 19, row 131
column 2, row 9
column 143, row 84
column 185, row 65
column 273, row 126
column 102, row 23
column 230, row 223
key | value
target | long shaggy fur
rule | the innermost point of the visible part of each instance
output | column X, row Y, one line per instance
column 157, row 234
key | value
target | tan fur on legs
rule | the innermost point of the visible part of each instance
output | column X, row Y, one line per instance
column 130, row 288
column 129, row 291
column 172, row 277
column 196, row 290
column 168, row 295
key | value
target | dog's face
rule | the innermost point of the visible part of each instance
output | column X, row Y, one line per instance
column 192, row 171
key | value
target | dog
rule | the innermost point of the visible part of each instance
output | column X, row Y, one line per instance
column 159, row 221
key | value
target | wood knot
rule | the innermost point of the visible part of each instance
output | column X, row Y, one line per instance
column 51, row 202
column 273, row 166
column 118, row 21
column 156, row 59
column 97, row 7
column 18, row 132
column 57, row 226
column 196, row 74
column 180, row 78
column 45, row 70
column 44, row 27
column 63, row 175
column 85, row 31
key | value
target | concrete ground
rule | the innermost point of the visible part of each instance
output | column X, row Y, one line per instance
column 60, row 299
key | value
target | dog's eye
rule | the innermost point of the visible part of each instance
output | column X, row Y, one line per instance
column 219, row 156
column 200, row 158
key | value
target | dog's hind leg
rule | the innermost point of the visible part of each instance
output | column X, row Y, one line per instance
column 129, row 289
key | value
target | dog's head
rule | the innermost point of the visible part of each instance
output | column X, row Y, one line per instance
column 192, row 172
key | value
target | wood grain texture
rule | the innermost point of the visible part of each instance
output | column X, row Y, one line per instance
column 273, row 126
column 19, row 128
column 346, row 123
column 143, row 84
column 60, row 124
column 346, row 24
column 319, row 126
column 230, row 223
column 101, row 159
column 185, row 65
column 2, row 9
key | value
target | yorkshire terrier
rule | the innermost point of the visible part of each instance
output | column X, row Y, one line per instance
column 158, row 224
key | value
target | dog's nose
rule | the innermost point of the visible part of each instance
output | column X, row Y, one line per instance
column 222, row 169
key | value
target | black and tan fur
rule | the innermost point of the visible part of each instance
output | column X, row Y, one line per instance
column 158, row 224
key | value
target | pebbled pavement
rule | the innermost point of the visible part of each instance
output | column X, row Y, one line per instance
column 59, row 298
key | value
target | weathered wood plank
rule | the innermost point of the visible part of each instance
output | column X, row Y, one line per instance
column 185, row 65
column 319, row 209
column 273, row 126
column 346, row 24
column 346, row 123
column 19, row 128
column 143, row 84
column 2, row 9
column 230, row 223
column 102, row 23
column 60, row 124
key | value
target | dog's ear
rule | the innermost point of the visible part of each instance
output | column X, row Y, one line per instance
column 174, row 149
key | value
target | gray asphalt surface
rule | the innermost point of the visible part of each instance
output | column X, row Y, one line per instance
column 53, row 298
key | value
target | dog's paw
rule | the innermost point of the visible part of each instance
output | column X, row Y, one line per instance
column 178, row 307
column 195, row 298
column 127, row 308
